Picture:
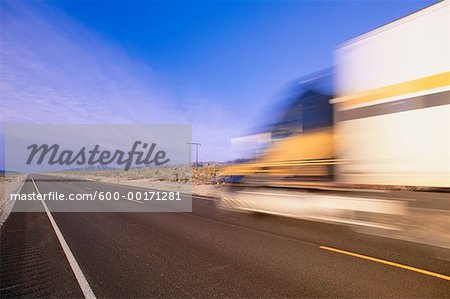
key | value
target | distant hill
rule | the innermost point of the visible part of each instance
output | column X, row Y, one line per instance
column 208, row 163
column 2, row 171
column 238, row 161
column 89, row 168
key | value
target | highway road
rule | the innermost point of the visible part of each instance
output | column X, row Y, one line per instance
column 207, row 253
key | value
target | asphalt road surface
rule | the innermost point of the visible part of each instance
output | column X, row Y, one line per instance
column 207, row 253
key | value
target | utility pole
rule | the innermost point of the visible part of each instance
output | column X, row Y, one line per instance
column 196, row 144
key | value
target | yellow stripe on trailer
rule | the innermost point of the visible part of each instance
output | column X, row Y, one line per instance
column 408, row 87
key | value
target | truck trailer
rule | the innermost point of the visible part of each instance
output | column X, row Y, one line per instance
column 384, row 124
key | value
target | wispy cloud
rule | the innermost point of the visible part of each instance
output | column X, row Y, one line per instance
column 54, row 70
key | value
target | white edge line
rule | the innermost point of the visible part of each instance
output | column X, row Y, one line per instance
column 82, row 281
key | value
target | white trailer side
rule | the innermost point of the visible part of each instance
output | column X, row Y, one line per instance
column 393, row 106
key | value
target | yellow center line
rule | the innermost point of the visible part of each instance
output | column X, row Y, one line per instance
column 373, row 259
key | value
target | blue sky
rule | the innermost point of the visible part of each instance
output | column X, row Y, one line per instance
column 214, row 64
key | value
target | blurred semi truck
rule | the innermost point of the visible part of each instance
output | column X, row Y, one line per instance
column 379, row 119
